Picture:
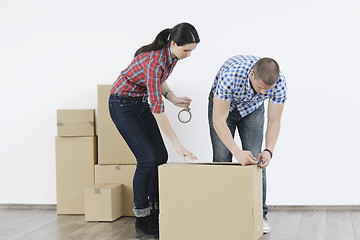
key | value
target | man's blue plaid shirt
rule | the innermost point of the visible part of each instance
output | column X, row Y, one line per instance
column 232, row 84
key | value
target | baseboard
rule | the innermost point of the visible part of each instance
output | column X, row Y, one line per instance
column 29, row 206
column 271, row 207
column 315, row 207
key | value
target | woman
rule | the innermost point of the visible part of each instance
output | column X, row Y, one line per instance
column 137, row 120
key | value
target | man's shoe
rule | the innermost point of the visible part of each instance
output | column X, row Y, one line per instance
column 266, row 227
column 146, row 227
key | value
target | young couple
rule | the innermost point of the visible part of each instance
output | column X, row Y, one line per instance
column 236, row 101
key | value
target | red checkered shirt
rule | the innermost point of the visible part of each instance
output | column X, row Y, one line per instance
column 144, row 76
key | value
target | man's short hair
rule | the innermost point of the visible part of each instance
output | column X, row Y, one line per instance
column 267, row 70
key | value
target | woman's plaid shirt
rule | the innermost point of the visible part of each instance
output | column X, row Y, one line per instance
column 144, row 76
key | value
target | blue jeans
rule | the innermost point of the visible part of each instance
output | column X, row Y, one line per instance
column 137, row 125
column 250, row 128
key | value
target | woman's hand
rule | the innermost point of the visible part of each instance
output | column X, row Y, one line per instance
column 183, row 102
column 183, row 152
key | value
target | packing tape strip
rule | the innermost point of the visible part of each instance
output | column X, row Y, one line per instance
column 97, row 190
column 59, row 123
column 182, row 113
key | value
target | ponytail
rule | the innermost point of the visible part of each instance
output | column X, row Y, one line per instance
column 160, row 41
column 181, row 34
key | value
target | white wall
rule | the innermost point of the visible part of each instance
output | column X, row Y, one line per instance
column 54, row 53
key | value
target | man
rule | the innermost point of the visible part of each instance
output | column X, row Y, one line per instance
column 236, row 100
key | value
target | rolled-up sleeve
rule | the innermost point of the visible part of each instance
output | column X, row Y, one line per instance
column 153, row 72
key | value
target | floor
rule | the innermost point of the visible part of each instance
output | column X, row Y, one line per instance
column 286, row 225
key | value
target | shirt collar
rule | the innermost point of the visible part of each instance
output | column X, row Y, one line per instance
column 169, row 59
column 248, row 84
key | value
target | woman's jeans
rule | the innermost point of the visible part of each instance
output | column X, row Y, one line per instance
column 250, row 130
column 137, row 125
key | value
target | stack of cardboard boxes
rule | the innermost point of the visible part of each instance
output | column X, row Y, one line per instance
column 93, row 177
column 75, row 146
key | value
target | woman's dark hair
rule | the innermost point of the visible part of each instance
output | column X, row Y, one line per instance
column 181, row 34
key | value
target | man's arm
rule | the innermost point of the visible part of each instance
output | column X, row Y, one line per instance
column 220, row 113
column 272, row 131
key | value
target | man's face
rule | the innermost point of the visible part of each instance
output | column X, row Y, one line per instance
column 258, row 84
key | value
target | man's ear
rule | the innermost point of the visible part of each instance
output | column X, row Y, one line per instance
column 252, row 73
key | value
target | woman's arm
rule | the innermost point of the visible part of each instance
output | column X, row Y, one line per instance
column 183, row 102
column 166, row 128
column 166, row 90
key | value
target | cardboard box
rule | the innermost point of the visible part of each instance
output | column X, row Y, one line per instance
column 112, row 147
column 210, row 201
column 75, row 160
column 75, row 122
column 120, row 174
column 103, row 202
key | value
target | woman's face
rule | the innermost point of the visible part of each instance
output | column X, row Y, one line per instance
column 181, row 52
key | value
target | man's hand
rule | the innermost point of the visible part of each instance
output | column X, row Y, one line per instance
column 264, row 159
column 245, row 158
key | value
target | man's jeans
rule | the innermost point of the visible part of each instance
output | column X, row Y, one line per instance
column 250, row 130
column 138, row 127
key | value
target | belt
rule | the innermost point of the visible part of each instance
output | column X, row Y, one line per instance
column 143, row 98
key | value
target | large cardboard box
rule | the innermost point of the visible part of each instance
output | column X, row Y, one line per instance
column 112, row 147
column 103, row 202
column 210, row 201
column 120, row 174
column 75, row 122
column 75, row 163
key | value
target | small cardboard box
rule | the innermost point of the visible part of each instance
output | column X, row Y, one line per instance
column 112, row 147
column 75, row 122
column 119, row 174
column 75, row 163
column 210, row 201
column 103, row 202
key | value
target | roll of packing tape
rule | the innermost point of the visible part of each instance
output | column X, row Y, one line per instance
column 184, row 116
